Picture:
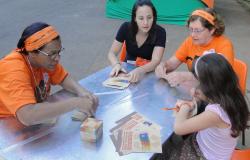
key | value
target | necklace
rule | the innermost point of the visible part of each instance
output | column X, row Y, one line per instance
column 39, row 89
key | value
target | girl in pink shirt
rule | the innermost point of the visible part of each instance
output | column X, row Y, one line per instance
column 217, row 128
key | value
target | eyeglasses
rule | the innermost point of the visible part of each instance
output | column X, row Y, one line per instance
column 196, row 31
column 54, row 54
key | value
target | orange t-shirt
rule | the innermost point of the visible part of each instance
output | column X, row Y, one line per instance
column 17, row 82
column 188, row 50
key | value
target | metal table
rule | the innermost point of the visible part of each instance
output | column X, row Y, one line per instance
column 62, row 141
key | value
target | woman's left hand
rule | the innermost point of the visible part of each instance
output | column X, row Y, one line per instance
column 176, row 78
column 136, row 75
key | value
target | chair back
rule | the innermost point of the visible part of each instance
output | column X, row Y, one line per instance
column 241, row 154
column 240, row 68
column 123, row 52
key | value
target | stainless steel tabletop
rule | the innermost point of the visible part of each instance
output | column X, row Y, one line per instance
column 62, row 141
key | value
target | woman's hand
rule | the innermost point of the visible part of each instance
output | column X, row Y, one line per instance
column 87, row 105
column 160, row 70
column 89, row 95
column 116, row 69
column 136, row 75
column 94, row 99
column 176, row 78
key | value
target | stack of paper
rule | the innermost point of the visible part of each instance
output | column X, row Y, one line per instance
column 135, row 133
column 117, row 82
column 91, row 130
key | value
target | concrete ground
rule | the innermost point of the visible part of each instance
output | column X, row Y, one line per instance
column 87, row 34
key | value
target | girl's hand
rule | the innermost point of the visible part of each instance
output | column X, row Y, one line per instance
column 182, row 103
column 160, row 70
column 136, row 75
column 116, row 69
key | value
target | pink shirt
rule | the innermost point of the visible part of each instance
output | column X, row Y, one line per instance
column 217, row 143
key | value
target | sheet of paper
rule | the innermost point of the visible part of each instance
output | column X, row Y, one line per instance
column 135, row 133
column 141, row 141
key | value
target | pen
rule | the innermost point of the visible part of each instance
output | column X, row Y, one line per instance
column 167, row 109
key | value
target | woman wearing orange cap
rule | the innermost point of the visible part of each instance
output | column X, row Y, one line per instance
column 206, row 35
column 27, row 73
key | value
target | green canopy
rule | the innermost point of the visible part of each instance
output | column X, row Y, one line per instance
column 169, row 11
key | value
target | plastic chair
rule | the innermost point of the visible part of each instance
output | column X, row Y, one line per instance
column 139, row 61
column 123, row 52
column 241, row 154
column 209, row 3
column 240, row 68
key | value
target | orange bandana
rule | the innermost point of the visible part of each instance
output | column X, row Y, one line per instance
column 204, row 15
column 40, row 38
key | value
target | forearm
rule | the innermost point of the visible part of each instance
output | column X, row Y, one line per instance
column 149, row 67
column 155, row 61
column 72, row 86
column 113, row 58
column 36, row 113
column 172, row 64
column 182, row 115
column 170, row 67
column 113, row 52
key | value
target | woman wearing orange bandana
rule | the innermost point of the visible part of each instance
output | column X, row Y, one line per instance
column 206, row 36
column 27, row 73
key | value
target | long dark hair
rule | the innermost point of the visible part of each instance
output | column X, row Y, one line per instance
column 28, row 31
column 133, row 24
column 219, row 83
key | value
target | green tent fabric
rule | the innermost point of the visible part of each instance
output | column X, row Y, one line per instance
column 169, row 11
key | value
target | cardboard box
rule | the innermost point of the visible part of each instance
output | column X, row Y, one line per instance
column 91, row 129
